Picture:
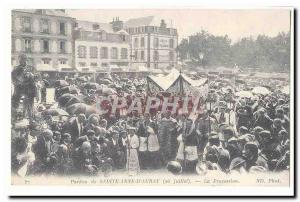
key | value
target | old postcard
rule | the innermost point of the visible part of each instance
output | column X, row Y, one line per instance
column 153, row 99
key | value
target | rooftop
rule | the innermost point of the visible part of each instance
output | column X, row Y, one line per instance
column 88, row 26
column 143, row 21
column 50, row 12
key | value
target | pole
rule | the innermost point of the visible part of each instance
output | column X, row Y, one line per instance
column 229, row 113
column 183, row 142
column 209, row 129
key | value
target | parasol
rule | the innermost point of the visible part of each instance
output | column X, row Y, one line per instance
column 61, row 83
column 91, row 85
column 246, row 94
column 68, row 89
column 55, row 112
column 108, row 91
column 81, row 108
column 261, row 90
column 105, row 81
column 68, row 99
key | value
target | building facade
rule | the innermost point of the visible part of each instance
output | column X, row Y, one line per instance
column 153, row 43
column 45, row 36
column 101, row 45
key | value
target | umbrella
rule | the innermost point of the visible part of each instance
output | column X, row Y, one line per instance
column 68, row 99
column 261, row 90
column 61, row 83
column 105, row 81
column 82, row 79
column 81, row 108
column 68, row 89
column 55, row 112
column 108, row 91
column 286, row 90
column 91, row 85
column 246, row 94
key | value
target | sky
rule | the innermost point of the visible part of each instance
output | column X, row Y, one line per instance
column 235, row 23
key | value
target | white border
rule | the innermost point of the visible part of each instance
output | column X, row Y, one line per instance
column 115, row 190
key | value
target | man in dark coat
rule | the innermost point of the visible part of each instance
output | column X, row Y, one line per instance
column 263, row 120
column 24, row 84
column 43, row 150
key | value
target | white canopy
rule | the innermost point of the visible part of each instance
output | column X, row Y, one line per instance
column 261, row 90
column 175, row 82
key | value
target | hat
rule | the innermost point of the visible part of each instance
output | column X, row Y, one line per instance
column 243, row 129
column 257, row 129
column 283, row 133
column 47, row 132
column 236, row 163
column 228, row 131
column 232, row 140
column 90, row 132
column 263, row 110
column 131, row 128
column 242, row 112
column 174, row 167
column 265, row 133
column 86, row 145
column 279, row 110
column 251, row 145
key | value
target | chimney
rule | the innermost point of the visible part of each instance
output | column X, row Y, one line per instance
column 117, row 25
column 163, row 24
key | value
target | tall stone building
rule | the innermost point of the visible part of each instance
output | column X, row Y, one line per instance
column 153, row 42
column 45, row 36
column 99, row 46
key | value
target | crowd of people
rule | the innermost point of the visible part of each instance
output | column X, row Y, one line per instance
column 231, row 134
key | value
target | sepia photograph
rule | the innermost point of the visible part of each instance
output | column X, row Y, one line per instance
column 180, row 98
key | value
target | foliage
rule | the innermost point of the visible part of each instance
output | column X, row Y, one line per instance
column 264, row 52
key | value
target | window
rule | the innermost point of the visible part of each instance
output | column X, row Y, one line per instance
column 94, row 64
column 136, row 42
column 62, row 47
column 81, row 51
column 104, row 52
column 124, row 53
column 171, row 43
column 45, row 46
column 123, row 37
column 114, row 53
column 44, row 26
column 82, row 64
column 142, row 42
column 142, row 55
column 155, row 56
column 63, row 61
column 104, row 64
column 26, row 24
column 155, row 43
column 136, row 55
column 27, row 45
column 171, row 55
column 46, row 61
column 93, row 52
column 96, row 26
column 62, row 28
